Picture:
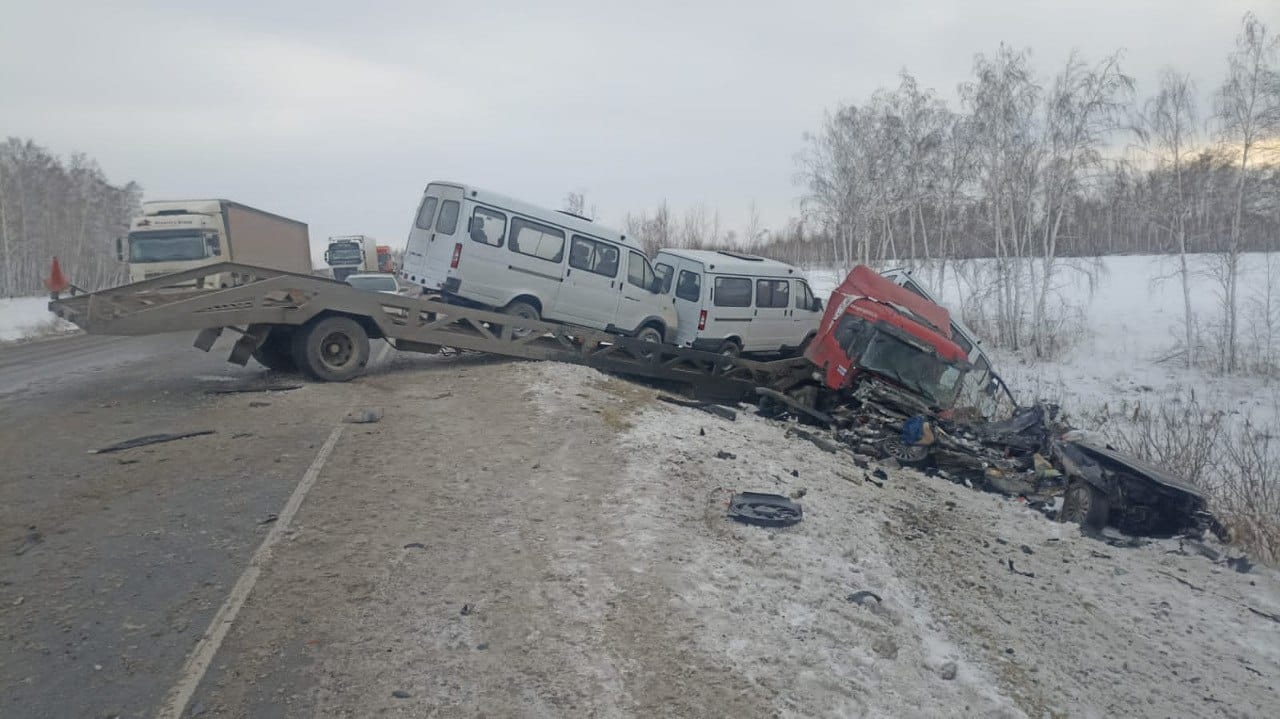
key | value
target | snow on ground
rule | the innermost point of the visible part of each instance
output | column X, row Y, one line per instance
column 1132, row 317
column 1097, row 631
column 25, row 317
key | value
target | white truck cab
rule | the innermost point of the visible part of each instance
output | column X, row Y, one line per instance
column 732, row 302
column 482, row 249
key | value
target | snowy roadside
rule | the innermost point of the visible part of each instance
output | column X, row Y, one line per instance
column 29, row 317
column 1098, row 630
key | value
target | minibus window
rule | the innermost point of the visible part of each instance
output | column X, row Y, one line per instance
column 426, row 212
column 488, row 226
column 732, row 292
column 448, row 220
column 541, row 241
column 773, row 293
column 664, row 271
column 804, row 296
column 690, row 286
column 592, row 256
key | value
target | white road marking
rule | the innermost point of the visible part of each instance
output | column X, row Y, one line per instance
column 198, row 663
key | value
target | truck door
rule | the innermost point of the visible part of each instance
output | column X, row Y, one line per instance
column 731, row 310
column 589, row 294
column 690, row 300
column 771, row 324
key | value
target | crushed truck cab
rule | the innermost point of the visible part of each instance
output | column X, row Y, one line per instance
column 872, row 325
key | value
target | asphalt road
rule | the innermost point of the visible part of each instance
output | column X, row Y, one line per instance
column 111, row 565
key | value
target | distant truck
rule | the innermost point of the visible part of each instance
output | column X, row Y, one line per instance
column 351, row 254
column 179, row 235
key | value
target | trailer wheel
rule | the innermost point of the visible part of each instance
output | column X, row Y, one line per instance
column 276, row 352
column 1085, row 505
column 333, row 349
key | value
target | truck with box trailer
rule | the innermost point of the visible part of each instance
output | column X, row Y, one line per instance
column 174, row 236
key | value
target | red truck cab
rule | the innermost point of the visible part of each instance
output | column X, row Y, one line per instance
column 873, row 325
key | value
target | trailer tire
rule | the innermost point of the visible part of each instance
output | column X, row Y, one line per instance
column 276, row 351
column 331, row 349
column 649, row 333
column 1084, row 504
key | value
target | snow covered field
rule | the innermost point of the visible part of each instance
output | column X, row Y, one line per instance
column 985, row 607
column 24, row 317
column 1132, row 319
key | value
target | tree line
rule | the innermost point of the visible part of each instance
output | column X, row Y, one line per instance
column 55, row 208
column 1031, row 173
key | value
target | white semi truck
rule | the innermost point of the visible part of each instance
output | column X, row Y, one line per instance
column 349, row 254
column 178, row 235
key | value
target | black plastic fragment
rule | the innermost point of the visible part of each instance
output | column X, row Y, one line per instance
column 765, row 510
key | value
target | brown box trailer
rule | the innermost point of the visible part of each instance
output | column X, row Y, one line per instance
column 264, row 239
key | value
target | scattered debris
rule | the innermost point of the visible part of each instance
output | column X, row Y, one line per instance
column 482, row 646
column 1026, row 550
column 148, row 440
column 363, row 416
column 259, row 404
column 400, row 694
column 862, row 597
column 261, row 388
column 881, row 475
column 795, row 473
column 725, row 455
column 442, row 395
column 1180, row 580
column 799, row 493
column 466, row 610
column 32, row 538
column 867, row 478
column 948, row 671
column 127, row 461
column 415, row 545
column 766, row 510
column 241, row 435
column 1013, row 569
column 269, row 519
column 708, row 407
column 822, row 443
column 1241, row 564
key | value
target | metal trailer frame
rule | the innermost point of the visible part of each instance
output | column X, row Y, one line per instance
column 269, row 300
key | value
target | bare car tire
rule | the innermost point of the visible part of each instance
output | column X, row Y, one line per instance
column 333, row 349
column 1085, row 505
column 276, row 352
column 730, row 348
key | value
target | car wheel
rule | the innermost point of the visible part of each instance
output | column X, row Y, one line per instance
column 649, row 333
column 908, row 455
column 1085, row 505
column 333, row 349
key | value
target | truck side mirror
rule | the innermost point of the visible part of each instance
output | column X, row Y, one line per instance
column 656, row 285
column 215, row 247
column 817, row 305
column 120, row 249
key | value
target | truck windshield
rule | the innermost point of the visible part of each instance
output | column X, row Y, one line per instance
column 344, row 253
column 166, row 248
column 912, row 368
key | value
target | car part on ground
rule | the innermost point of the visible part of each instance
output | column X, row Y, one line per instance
column 765, row 510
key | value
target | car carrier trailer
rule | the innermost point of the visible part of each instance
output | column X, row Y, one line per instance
column 322, row 327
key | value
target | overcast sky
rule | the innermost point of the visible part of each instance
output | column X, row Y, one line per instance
column 339, row 113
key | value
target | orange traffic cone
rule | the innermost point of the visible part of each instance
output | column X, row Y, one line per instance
column 56, row 282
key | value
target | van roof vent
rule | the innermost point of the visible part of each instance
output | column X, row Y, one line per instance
column 574, row 214
column 741, row 256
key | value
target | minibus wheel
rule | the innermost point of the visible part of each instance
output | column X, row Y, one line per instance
column 524, row 311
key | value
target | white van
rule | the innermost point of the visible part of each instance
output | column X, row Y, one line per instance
column 731, row 303
column 481, row 249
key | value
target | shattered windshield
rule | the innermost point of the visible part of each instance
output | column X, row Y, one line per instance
column 166, row 248
column 912, row 368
